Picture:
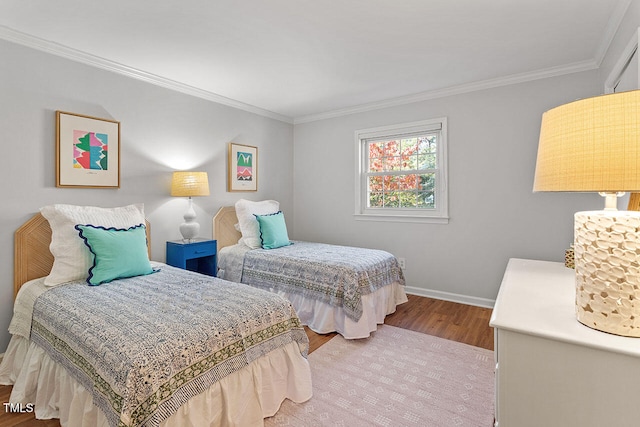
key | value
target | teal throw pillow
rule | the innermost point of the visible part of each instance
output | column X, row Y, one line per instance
column 117, row 252
column 273, row 230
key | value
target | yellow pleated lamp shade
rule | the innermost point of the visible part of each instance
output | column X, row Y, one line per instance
column 190, row 184
column 591, row 145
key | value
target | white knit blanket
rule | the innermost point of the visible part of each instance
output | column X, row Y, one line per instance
column 23, row 307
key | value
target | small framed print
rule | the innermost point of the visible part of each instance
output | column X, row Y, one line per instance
column 243, row 168
column 87, row 151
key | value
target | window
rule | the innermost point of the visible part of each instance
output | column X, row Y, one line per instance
column 402, row 172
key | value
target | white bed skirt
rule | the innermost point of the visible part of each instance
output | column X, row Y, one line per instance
column 244, row 398
column 324, row 318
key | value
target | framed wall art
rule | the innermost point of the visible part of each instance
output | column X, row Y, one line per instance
column 87, row 151
column 243, row 168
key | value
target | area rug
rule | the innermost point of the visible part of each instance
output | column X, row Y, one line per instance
column 395, row 378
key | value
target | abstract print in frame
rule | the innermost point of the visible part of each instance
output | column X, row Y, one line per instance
column 243, row 168
column 87, row 151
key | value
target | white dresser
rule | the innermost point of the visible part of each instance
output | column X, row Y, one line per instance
column 550, row 369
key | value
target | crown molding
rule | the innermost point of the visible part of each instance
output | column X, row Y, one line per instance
column 11, row 35
column 610, row 32
column 47, row 46
column 454, row 90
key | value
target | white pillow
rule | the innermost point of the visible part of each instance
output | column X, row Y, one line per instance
column 249, row 227
column 71, row 257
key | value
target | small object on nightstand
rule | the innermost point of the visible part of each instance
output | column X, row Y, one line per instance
column 569, row 256
column 199, row 255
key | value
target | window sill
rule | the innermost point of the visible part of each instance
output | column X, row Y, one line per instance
column 402, row 218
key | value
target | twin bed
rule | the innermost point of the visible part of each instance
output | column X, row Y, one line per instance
column 333, row 288
column 167, row 347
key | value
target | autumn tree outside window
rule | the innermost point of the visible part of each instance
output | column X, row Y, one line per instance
column 402, row 172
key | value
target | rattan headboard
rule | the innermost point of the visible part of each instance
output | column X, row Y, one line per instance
column 634, row 202
column 224, row 227
column 31, row 255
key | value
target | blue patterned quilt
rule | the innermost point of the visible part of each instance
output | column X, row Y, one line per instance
column 143, row 346
column 336, row 275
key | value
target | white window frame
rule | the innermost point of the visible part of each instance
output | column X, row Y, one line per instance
column 438, row 215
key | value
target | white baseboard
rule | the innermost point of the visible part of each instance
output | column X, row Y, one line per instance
column 448, row 296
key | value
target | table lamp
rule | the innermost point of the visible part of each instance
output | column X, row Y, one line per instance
column 189, row 184
column 593, row 145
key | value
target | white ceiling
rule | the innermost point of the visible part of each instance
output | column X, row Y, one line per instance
column 297, row 60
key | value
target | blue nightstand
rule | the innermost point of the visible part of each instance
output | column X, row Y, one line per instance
column 199, row 255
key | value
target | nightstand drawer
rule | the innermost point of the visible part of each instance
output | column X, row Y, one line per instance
column 199, row 256
column 199, row 249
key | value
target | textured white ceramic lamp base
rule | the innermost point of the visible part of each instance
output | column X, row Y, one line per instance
column 607, row 262
column 189, row 228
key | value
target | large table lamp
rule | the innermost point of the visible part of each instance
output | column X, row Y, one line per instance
column 189, row 184
column 593, row 145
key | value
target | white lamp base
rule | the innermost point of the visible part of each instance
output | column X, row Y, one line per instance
column 189, row 228
column 607, row 262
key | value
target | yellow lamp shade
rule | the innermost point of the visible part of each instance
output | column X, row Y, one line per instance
column 591, row 145
column 189, row 184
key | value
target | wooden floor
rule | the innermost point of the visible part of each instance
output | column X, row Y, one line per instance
column 457, row 322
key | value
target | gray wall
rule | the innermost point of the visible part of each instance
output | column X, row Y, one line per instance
column 493, row 138
column 494, row 215
column 161, row 131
